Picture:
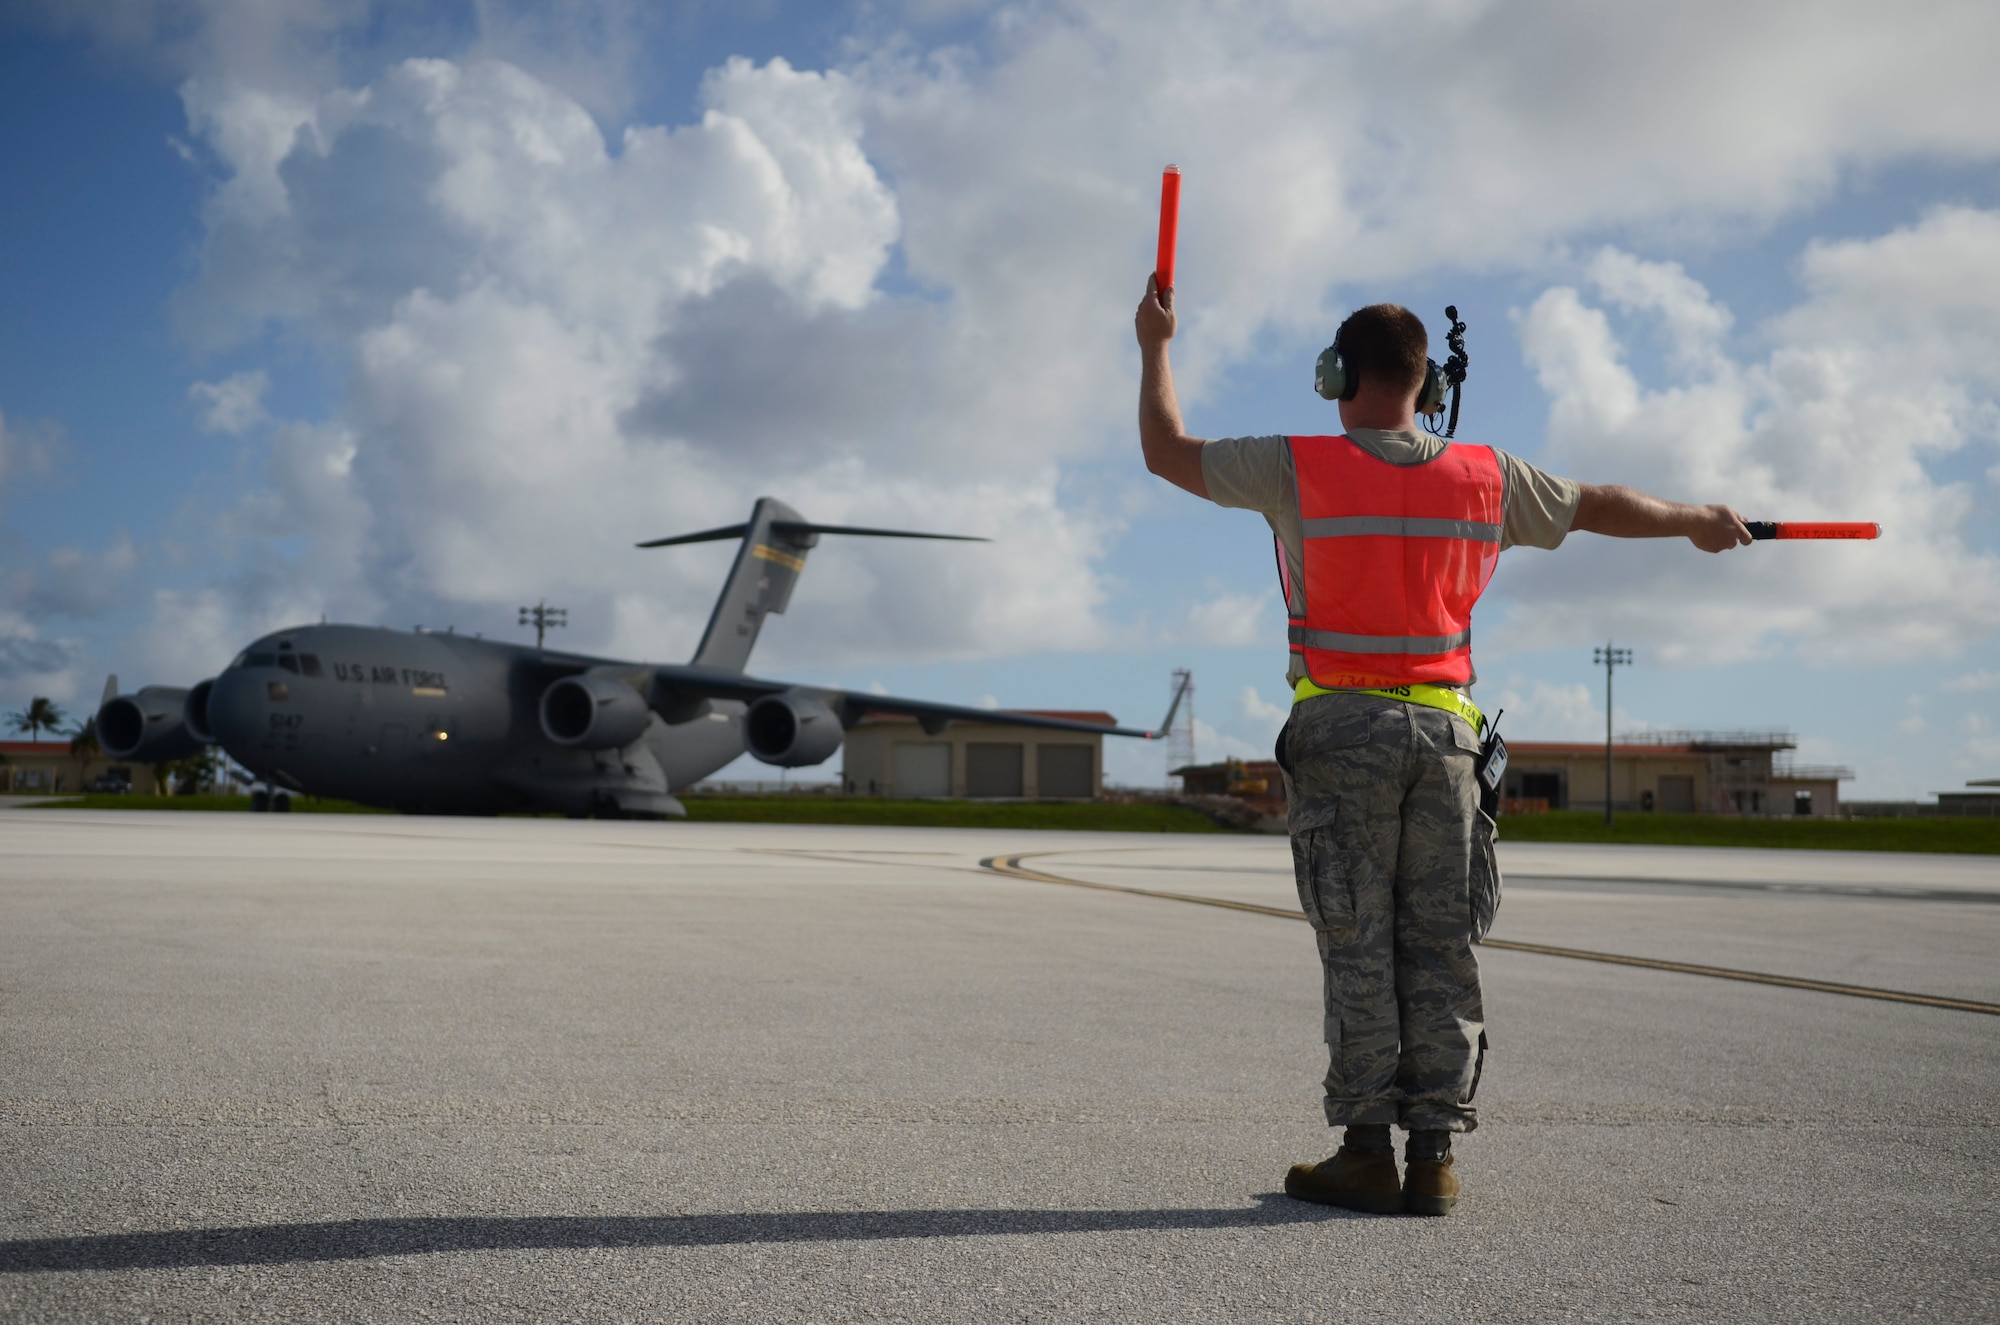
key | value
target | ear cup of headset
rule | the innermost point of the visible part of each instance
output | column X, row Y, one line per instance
column 1330, row 376
column 1430, row 399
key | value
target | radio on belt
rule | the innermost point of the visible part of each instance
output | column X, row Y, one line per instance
column 1491, row 768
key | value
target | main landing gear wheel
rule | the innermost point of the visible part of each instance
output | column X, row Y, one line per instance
column 260, row 801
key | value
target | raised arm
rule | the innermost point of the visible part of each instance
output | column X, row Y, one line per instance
column 1170, row 452
column 1624, row 512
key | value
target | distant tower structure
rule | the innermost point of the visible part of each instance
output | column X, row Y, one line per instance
column 544, row 619
column 1180, row 733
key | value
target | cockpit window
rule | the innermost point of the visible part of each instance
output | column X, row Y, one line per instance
column 309, row 664
column 256, row 660
column 288, row 662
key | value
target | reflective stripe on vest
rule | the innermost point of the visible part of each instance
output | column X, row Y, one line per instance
column 1394, row 556
column 1356, row 526
column 1329, row 639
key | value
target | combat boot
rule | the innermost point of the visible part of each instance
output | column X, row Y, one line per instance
column 1429, row 1185
column 1350, row 1180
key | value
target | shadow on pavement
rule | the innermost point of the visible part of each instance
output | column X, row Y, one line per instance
column 362, row 1239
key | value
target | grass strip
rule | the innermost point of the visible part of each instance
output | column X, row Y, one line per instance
column 1081, row 816
column 211, row 804
column 1975, row 837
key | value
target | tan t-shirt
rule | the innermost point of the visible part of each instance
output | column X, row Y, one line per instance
column 1255, row 473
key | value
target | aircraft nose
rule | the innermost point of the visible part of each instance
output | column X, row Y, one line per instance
column 236, row 711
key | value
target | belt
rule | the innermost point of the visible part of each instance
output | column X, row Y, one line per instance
column 1423, row 692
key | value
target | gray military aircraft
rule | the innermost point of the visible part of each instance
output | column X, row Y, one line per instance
column 444, row 724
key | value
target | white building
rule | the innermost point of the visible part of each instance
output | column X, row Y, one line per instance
column 891, row 755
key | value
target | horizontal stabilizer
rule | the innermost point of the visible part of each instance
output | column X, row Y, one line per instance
column 795, row 528
column 705, row 536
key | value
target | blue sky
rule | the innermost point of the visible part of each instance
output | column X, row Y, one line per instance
column 412, row 314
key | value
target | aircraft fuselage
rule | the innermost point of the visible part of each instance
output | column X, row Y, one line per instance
column 443, row 723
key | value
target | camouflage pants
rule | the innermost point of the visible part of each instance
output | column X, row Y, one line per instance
column 1386, row 836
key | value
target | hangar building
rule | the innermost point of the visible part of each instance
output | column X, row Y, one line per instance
column 891, row 755
column 36, row 768
column 1705, row 772
column 1684, row 772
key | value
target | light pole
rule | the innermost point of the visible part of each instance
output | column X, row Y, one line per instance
column 544, row 619
column 1609, row 657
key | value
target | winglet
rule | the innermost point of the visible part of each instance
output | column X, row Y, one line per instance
column 110, row 690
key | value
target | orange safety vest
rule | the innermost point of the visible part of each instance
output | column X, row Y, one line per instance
column 1395, row 557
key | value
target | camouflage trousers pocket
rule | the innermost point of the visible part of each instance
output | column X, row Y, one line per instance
column 1325, row 894
column 1483, row 880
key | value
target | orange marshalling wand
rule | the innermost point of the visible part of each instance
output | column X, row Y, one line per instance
column 1170, row 226
column 1813, row 529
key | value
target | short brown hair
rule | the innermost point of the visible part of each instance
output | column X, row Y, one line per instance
column 1385, row 343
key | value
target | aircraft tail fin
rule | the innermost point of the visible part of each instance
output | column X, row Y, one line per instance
column 110, row 690
column 776, row 539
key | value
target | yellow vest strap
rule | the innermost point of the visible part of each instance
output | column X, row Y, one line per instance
column 1425, row 693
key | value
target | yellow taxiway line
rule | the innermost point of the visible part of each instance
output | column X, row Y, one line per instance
column 1012, row 867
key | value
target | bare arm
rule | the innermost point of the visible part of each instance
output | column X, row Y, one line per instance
column 1170, row 452
column 1628, row 513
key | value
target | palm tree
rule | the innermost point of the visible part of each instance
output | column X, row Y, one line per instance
column 41, row 715
column 83, row 744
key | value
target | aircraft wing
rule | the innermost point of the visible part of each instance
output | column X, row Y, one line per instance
column 684, row 686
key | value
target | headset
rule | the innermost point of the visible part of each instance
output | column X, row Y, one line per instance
column 1334, row 378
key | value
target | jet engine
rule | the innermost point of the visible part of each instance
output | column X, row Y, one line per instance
column 791, row 730
column 195, row 713
column 148, row 726
column 593, row 712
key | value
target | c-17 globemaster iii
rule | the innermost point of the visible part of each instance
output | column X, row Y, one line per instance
column 445, row 724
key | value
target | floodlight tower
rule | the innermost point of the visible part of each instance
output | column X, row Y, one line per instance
column 544, row 619
column 1608, row 657
column 1180, row 731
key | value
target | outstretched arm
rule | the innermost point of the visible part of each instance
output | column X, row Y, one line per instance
column 1170, row 452
column 1628, row 513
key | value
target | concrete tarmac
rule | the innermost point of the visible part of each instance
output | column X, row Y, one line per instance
column 371, row 1068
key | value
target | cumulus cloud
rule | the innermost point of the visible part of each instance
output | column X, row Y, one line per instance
column 234, row 405
column 39, row 587
column 1981, row 748
column 1261, row 711
column 33, row 664
column 1214, row 744
column 26, row 449
column 558, row 349
column 1839, row 420
column 1540, row 711
column 192, row 634
column 1694, row 322
column 1230, row 618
